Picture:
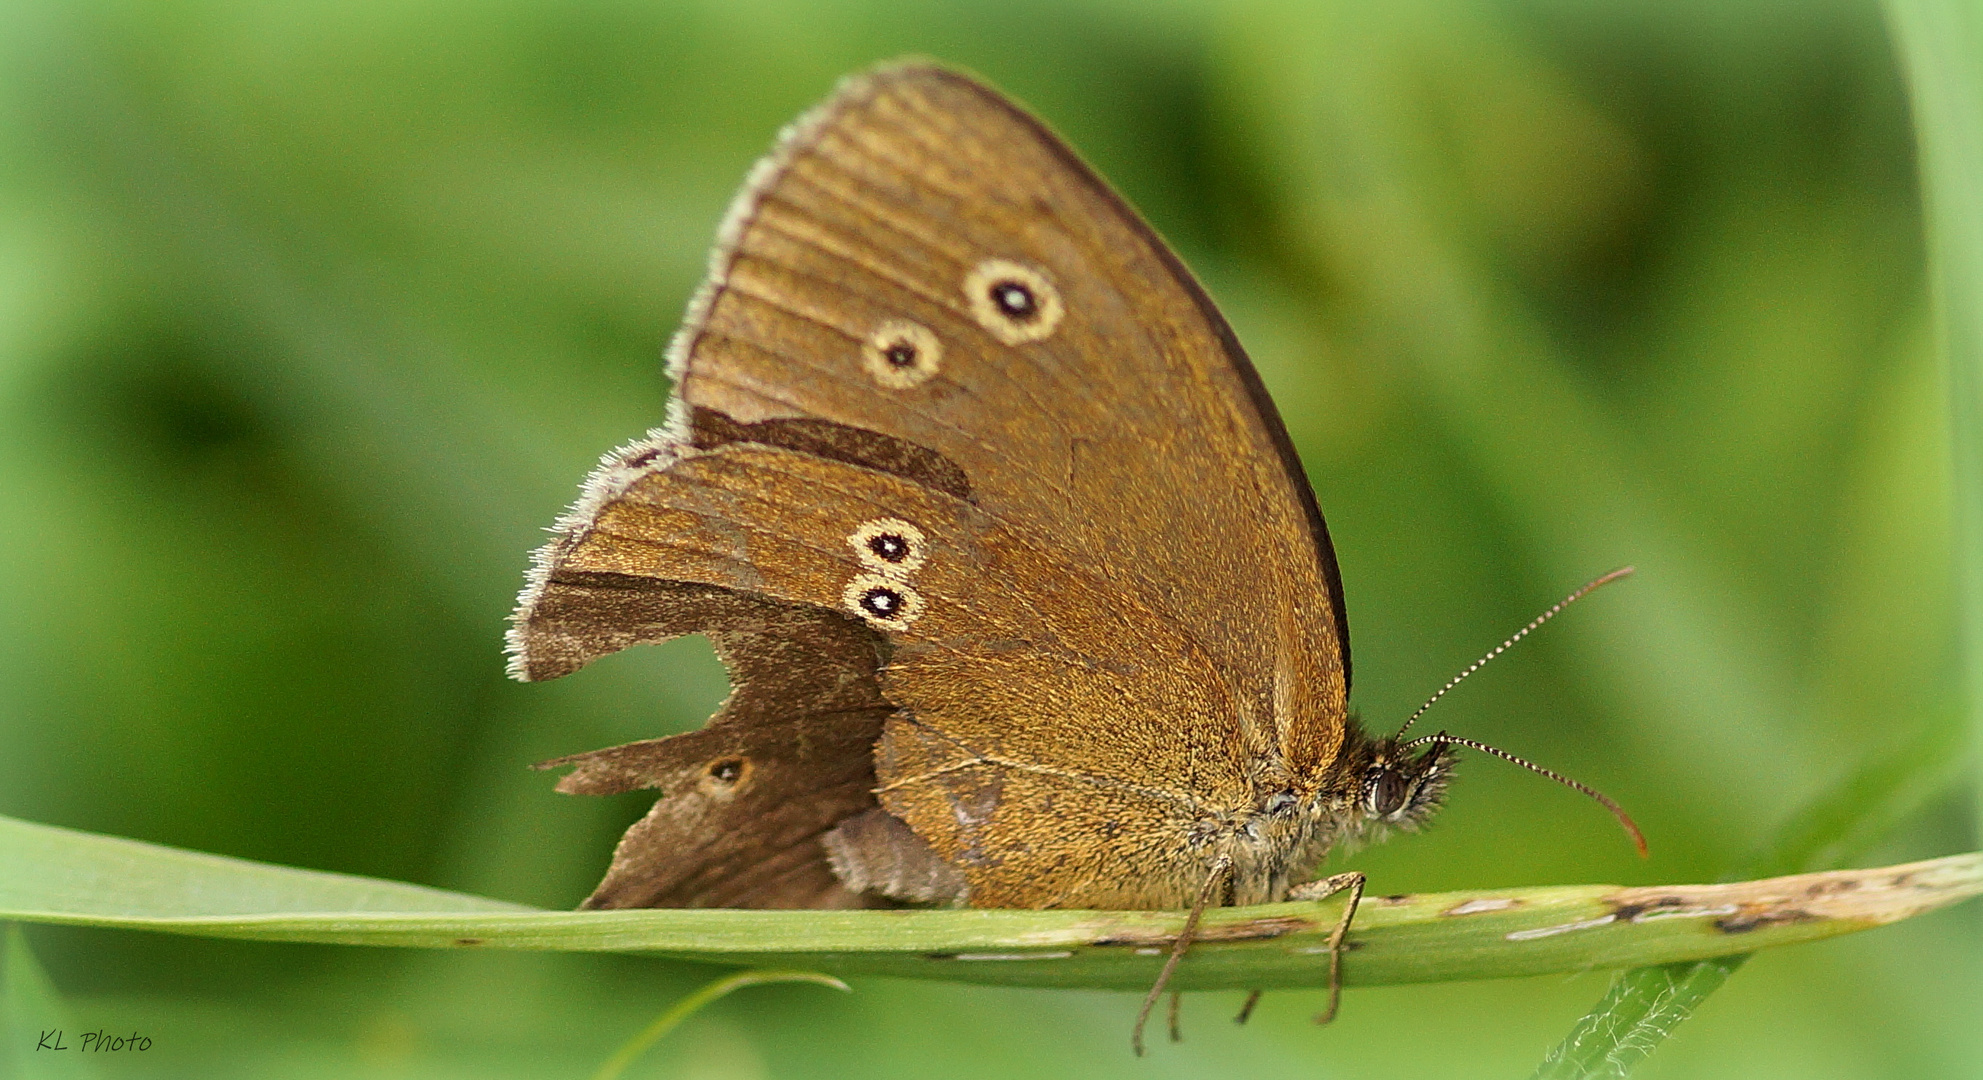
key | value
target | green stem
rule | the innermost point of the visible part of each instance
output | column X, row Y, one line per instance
column 692, row 1004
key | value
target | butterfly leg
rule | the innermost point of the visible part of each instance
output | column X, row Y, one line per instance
column 1177, row 1032
column 1246, row 1010
column 1321, row 890
column 1214, row 882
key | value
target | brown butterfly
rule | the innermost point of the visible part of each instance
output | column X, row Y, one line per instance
column 1024, row 594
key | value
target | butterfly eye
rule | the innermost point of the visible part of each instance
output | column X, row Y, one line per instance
column 1386, row 792
column 901, row 354
column 1015, row 302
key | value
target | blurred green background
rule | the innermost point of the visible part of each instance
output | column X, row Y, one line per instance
column 313, row 314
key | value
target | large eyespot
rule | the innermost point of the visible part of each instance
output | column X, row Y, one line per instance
column 901, row 354
column 724, row 777
column 1016, row 303
column 890, row 546
column 885, row 602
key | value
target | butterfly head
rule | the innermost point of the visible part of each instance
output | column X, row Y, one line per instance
column 1402, row 790
column 1401, row 787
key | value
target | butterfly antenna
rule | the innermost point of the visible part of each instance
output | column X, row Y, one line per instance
column 1617, row 811
column 1516, row 636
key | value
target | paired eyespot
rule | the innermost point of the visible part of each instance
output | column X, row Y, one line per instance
column 888, row 546
column 901, row 354
column 1014, row 301
column 891, row 550
column 886, row 602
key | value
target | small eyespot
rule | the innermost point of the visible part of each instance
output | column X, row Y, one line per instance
column 885, row 602
column 1015, row 302
column 901, row 354
column 725, row 776
column 890, row 546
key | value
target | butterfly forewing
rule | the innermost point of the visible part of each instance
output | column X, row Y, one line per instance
column 1133, row 433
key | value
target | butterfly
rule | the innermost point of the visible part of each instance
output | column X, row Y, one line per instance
column 1024, row 594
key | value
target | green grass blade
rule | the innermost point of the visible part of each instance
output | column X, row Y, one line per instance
column 43, row 868
column 56, row 876
column 694, row 1003
column 1941, row 50
column 1640, row 1011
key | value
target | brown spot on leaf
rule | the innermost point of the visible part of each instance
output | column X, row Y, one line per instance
column 1746, row 921
column 1632, row 912
column 1481, row 905
column 1246, row 930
